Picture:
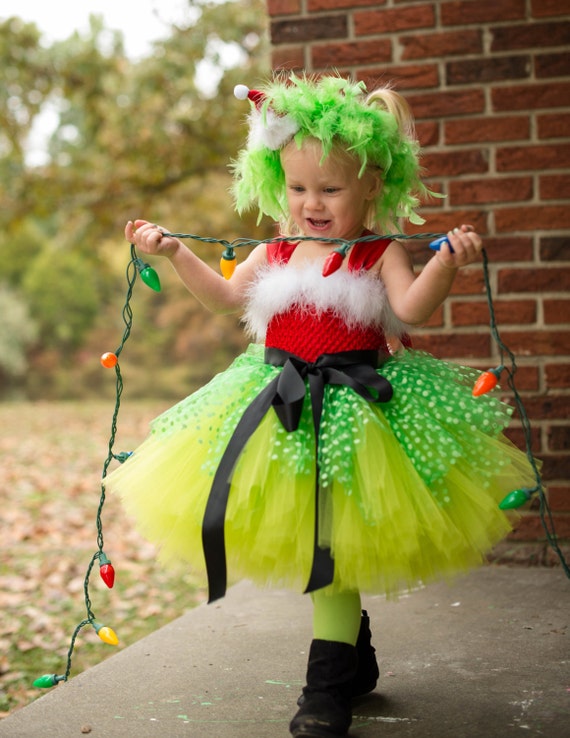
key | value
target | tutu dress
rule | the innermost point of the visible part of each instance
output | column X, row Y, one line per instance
column 320, row 459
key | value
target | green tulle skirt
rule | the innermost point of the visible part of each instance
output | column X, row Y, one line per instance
column 409, row 489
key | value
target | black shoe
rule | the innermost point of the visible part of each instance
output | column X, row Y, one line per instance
column 325, row 711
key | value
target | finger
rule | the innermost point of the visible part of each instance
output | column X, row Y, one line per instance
column 446, row 252
column 147, row 230
column 476, row 241
column 460, row 244
column 455, row 242
column 446, row 247
column 463, row 240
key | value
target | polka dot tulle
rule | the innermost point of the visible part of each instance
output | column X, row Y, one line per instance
column 409, row 488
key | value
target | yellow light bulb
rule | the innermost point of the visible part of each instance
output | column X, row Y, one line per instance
column 106, row 634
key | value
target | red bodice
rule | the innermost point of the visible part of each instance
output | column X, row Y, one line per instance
column 307, row 332
column 308, row 335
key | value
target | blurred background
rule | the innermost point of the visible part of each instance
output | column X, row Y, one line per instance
column 91, row 135
column 100, row 124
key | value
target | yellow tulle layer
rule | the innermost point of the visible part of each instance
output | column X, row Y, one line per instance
column 409, row 489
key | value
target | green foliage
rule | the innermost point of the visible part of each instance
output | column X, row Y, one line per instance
column 26, row 86
column 18, row 248
column 63, row 297
column 17, row 332
column 149, row 138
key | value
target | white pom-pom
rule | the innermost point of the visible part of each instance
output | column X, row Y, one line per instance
column 241, row 92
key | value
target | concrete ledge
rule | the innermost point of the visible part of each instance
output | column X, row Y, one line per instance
column 488, row 656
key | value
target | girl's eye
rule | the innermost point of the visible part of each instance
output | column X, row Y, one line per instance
column 331, row 190
column 296, row 188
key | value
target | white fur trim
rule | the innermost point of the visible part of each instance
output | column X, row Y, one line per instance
column 359, row 298
column 270, row 130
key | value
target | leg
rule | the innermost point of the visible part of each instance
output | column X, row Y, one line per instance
column 336, row 617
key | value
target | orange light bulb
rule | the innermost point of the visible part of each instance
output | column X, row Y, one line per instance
column 109, row 360
column 227, row 266
column 486, row 381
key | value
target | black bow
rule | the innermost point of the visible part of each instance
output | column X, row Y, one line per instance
column 286, row 394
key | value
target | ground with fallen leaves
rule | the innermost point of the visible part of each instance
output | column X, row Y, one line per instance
column 51, row 461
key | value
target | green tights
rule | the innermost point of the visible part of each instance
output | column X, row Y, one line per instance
column 336, row 616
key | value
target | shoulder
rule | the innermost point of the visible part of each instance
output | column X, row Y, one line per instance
column 397, row 253
column 396, row 269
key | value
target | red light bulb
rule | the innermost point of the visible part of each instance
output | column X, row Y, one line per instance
column 333, row 262
column 106, row 570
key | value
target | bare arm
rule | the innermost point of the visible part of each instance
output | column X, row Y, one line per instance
column 210, row 288
column 415, row 299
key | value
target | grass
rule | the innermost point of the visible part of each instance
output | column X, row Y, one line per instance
column 51, row 459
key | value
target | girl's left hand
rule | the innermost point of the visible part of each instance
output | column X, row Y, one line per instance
column 466, row 245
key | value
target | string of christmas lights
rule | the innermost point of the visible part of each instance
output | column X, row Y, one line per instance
column 106, row 570
column 110, row 360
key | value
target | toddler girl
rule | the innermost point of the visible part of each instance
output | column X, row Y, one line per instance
column 320, row 460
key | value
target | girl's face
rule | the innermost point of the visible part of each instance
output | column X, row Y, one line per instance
column 326, row 199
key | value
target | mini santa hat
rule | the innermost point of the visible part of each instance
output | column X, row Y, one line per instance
column 266, row 128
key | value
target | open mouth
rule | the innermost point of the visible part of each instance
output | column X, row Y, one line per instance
column 318, row 224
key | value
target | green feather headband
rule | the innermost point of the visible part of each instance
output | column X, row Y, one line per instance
column 336, row 112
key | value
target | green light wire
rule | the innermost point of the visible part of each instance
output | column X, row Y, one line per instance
column 127, row 315
column 131, row 276
column 341, row 242
column 544, row 508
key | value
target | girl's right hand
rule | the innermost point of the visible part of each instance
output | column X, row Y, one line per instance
column 150, row 239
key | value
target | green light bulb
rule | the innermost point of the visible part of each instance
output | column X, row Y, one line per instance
column 148, row 274
column 150, row 278
column 515, row 499
column 48, row 680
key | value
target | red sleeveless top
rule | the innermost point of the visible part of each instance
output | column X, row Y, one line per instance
column 310, row 333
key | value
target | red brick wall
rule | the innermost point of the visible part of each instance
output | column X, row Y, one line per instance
column 489, row 84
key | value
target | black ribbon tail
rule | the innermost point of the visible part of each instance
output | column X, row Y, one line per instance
column 322, row 569
column 213, row 538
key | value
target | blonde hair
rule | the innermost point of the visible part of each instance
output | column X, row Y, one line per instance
column 397, row 106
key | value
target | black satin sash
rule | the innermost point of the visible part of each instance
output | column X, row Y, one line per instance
column 286, row 394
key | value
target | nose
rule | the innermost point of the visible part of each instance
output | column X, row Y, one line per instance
column 313, row 200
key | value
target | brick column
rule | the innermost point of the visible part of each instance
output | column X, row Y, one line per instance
column 489, row 84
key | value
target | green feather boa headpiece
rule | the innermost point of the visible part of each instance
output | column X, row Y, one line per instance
column 334, row 111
